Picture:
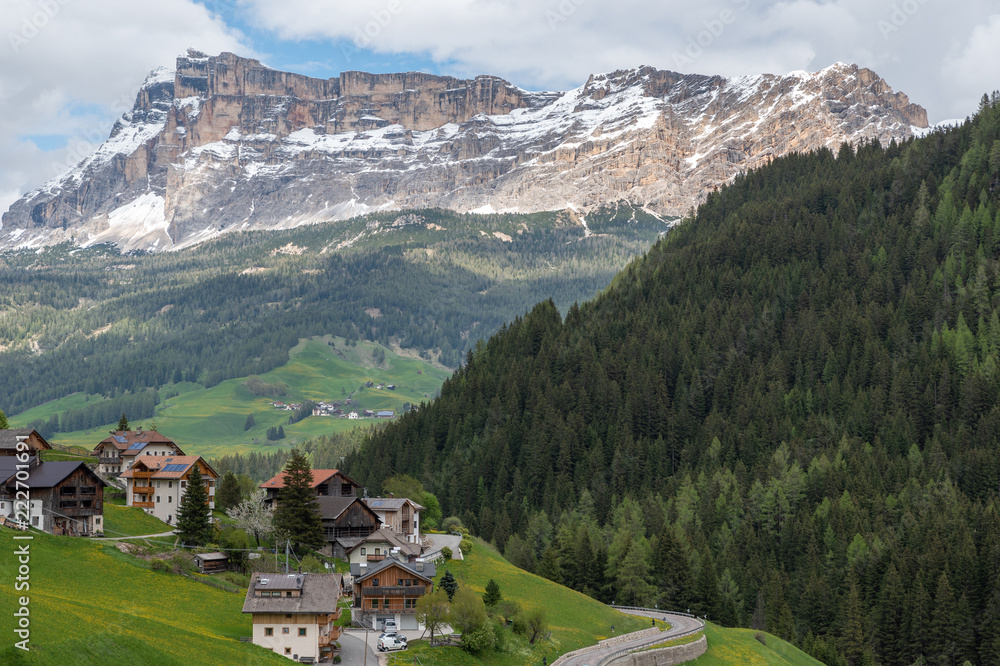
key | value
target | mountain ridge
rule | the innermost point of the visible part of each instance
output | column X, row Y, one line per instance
column 224, row 143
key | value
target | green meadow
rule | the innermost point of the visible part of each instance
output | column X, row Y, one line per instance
column 210, row 421
column 91, row 604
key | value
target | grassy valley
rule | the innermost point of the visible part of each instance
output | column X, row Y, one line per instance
column 210, row 421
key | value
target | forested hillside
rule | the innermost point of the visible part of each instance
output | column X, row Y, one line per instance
column 785, row 415
column 102, row 323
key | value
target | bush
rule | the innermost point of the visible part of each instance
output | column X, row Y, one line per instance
column 761, row 637
column 446, row 553
column 480, row 639
column 311, row 564
column 451, row 524
column 465, row 546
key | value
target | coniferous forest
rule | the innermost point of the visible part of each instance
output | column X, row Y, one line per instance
column 784, row 416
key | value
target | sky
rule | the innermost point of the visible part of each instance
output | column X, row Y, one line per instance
column 69, row 68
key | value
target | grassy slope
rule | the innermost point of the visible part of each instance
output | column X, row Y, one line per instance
column 210, row 421
column 738, row 646
column 131, row 521
column 577, row 621
column 90, row 604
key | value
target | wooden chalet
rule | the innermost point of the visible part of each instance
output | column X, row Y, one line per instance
column 346, row 522
column 389, row 590
column 10, row 437
column 119, row 450
column 65, row 497
column 294, row 614
column 327, row 482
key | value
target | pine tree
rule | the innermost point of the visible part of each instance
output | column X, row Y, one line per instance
column 297, row 516
column 280, row 433
column 449, row 584
column 492, row 596
column 250, row 422
column 193, row 525
column 227, row 495
column 123, row 423
column 3, row 421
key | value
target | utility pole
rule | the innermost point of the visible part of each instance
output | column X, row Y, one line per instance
column 286, row 555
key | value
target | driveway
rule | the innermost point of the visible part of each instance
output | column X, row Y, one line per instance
column 439, row 541
column 356, row 638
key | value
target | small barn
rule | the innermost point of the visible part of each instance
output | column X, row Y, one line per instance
column 211, row 562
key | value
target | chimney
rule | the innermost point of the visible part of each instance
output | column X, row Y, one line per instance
column 419, row 566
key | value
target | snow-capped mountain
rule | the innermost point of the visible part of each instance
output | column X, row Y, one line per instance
column 224, row 143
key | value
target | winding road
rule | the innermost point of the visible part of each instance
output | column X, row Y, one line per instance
column 680, row 625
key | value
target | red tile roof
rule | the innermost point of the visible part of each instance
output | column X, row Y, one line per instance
column 319, row 476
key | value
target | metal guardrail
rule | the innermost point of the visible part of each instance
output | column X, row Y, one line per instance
column 655, row 639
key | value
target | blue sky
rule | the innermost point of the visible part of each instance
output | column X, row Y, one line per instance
column 71, row 67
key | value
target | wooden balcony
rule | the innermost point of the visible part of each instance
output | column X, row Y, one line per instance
column 376, row 558
column 106, row 460
column 394, row 591
column 144, row 490
column 144, row 505
column 328, row 639
column 390, row 608
column 142, row 473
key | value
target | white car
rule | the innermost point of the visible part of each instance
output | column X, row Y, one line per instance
column 391, row 642
column 390, row 627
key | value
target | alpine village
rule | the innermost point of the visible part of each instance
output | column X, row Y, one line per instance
column 403, row 368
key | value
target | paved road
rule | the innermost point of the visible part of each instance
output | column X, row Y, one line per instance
column 439, row 541
column 141, row 536
column 679, row 624
column 352, row 649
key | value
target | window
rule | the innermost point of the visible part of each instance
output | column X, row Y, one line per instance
column 375, row 582
column 409, row 603
column 374, row 603
column 184, row 484
column 362, row 550
column 157, row 499
column 377, row 551
column 288, row 650
column 288, row 593
column 284, row 630
column 170, row 499
column 400, row 583
column 288, row 616
column 170, row 484
column 269, row 631
column 302, row 631
column 67, row 504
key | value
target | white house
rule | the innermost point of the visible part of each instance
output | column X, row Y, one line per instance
column 118, row 451
column 157, row 484
column 294, row 614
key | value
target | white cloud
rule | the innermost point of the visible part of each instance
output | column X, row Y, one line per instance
column 70, row 67
column 557, row 43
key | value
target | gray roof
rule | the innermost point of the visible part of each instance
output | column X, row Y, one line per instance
column 349, row 542
column 390, row 503
column 211, row 556
column 320, row 593
column 330, row 506
column 8, row 437
column 385, row 535
column 428, row 572
column 51, row 473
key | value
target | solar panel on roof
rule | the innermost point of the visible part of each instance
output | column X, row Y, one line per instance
column 137, row 445
column 174, row 468
column 121, row 440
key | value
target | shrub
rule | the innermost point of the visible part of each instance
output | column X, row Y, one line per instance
column 451, row 524
column 465, row 546
column 311, row 564
column 446, row 553
column 761, row 637
column 480, row 639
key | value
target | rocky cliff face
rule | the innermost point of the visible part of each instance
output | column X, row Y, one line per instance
column 223, row 143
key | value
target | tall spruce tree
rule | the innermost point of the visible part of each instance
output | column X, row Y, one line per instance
column 193, row 524
column 228, row 495
column 123, row 423
column 297, row 515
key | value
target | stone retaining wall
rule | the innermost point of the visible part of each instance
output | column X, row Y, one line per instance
column 668, row 656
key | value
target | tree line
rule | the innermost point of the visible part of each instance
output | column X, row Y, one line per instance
column 783, row 416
